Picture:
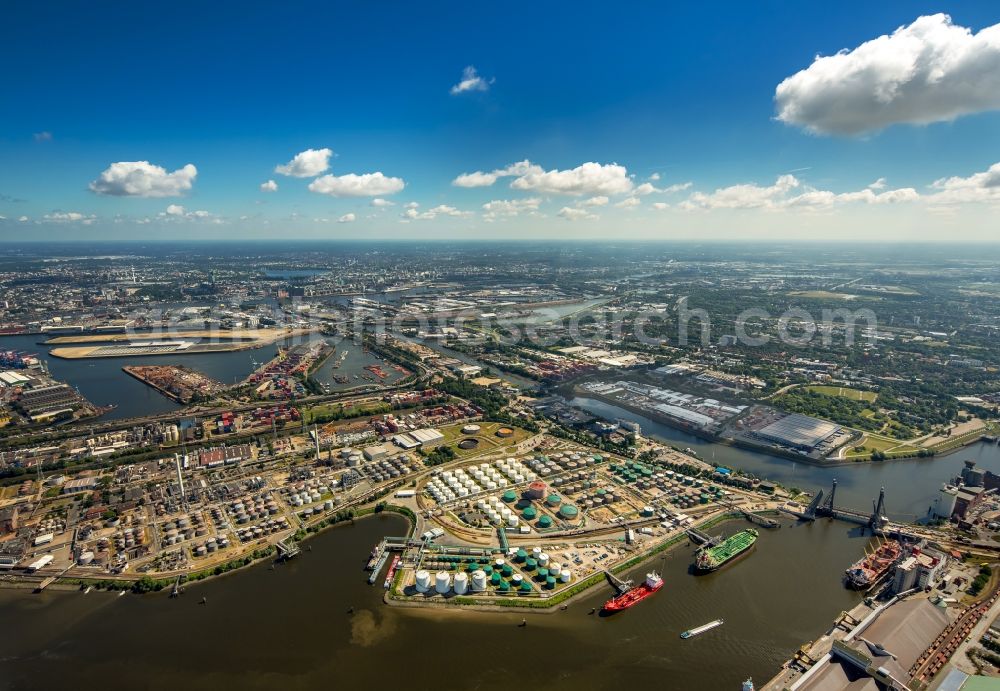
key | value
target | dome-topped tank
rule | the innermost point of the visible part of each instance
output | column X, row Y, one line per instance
column 423, row 581
column 442, row 582
column 461, row 583
column 478, row 581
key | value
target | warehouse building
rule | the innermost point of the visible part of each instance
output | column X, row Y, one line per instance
column 799, row 432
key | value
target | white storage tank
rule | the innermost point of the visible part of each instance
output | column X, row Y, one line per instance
column 423, row 581
column 512, row 521
column 461, row 583
column 478, row 581
column 543, row 559
column 442, row 582
column 564, row 576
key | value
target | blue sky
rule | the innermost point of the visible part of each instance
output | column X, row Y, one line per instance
column 683, row 92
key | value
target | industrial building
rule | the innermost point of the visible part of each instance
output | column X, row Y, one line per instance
column 799, row 431
column 422, row 438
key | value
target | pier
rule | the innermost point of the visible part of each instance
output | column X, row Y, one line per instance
column 46, row 582
column 286, row 551
column 702, row 539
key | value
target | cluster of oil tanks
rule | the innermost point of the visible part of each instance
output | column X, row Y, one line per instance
column 253, row 508
column 495, row 511
column 184, row 528
column 306, row 492
column 600, row 497
column 515, row 470
column 389, row 468
column 311, row 511
column 171, row 433
column 352, row 457
column 129, row 538
column 255, row 532
column 211, row 545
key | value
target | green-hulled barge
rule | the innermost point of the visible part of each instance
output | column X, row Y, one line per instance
column 738, row 545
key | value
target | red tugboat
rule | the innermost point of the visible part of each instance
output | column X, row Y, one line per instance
column 635, row 595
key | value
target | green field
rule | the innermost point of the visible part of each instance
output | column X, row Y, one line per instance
column 876, row 442
column 844, row 392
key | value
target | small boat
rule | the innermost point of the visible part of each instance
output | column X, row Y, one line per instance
column 121, row 592
column 691, row 633
column 748, row 685
column 89, row 588
column 391, row 572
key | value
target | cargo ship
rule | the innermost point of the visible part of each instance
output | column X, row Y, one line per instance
column 735, row 546
column 391, row 572
column 635, row 595
column 865, row 572
column 691, row 633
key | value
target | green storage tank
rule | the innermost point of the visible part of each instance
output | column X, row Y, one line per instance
column 530, row 513
column 526, row 587
column 487, row 569
column 507, row 570
column 544, row 522
column 521, row 555
column 510, row 496
column 550, row 582
column 504, row 586
column 530, row 564
column 553, row 500
column 568, row 511
column 495, row 578
column 543, row 573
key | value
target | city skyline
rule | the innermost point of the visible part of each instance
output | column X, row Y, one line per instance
column 759, row 125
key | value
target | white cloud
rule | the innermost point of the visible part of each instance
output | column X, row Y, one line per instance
column 878, row 184
column 481, row 179
column 645, row 188
column 629, row 203
column 23, row 219
column 143, row 179
column 351, row 185
column 510, row 207
column 679, row 187
column 477, row 179
column 599, row 200
column 67, row 217
column 43, row 136
column 176, row 212
column 471, row 81
column 589, row 178
column 660, row 206
column 978, row 187
column 381, row 203
column 780, row 196
column 411, row 205
column 269, row 186
column 571, row 214
column 412, row 214
column 654, row 177
column 747, row 196
column 306, row 164
column 347, row 218
column 929, row 71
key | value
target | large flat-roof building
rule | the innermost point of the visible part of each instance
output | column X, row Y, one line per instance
column 799, row 431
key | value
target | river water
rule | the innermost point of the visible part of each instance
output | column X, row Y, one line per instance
column 102, row 381
column 291, row 628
